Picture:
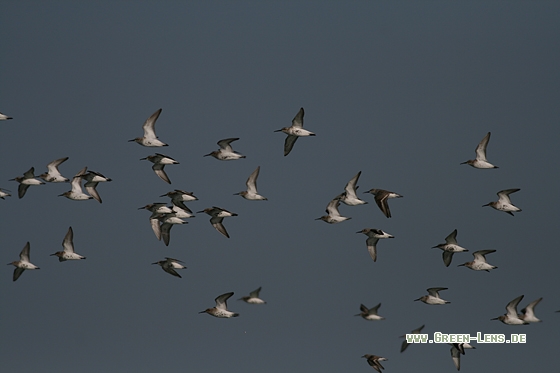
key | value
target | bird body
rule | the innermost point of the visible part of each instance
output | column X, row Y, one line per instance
column 253, row 297
column 504, row 203
column 479, row 263
column 169, row 265
column 295, row 131
column 480, row 161
column 68, row 245
column 433, row 297
column 23, row 263
column 221, row 310
column 226, row 152
column 251, row 192
column 150, row 139
column 450, row 247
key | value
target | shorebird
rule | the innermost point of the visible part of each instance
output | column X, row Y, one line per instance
column 183, row 213
column 405, row 344
column 221, row 307
column 77, row 194
column 381, row 196
column 480, row 161
column 68, row 245
column 157, row 208
column 25, row 181
column 167, row 222
column 251, row 192
column 179, row 196
column 450, row 247
column 217, row 216
column 150, row 138
column 333, row 216
column 370, row 313
column 528, row 313
column 226, row 152
column 253, row 297
column 53, row 175
column 504, row 203
column 433, row 297
column 23, row 263
column 293, row 132
column 159, row 161
column 169, row 265
column 4, row 193
column 479, row 263
column 349, row 196
column 4, row 117
column 373, row 237
column 92, row 179
column 511, row 317
column 458, row 349
column 374, row 361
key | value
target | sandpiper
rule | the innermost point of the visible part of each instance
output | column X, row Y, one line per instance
column 221, row 307
column 381, row 196
column 217, row 216
column 349, row 196
column 23, row 263
column 226, row 152
column 251, row 192
column 4, row 117
column 77, row 194
column 159, row 161
column 504, row 203
column 528, row 313
column 169, row 265
column 253, row 297
column 511, row 317
column 333, row 216
column 370, row 313
column 68, row 245
column 183, row 213
column 458, row 349
column 293, row 132
column 150, row 138
column 167, row 222
column 405, row 344
column 450, row 247
column 179, row 196
column 157, row 208
column 374, row 361
column 373, row 237
column 433, row 297
column 480, row 161
column 479, row 263
column 92, row 179
column 4, row 193
column 25, row 181
column 53, row 175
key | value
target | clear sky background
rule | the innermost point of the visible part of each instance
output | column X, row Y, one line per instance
column 400, row 90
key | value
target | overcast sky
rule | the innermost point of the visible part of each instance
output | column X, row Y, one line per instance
column 400, row 90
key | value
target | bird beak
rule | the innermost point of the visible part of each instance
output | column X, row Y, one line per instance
column 280, row 130
column 496, row 318
column 463, row 162
column 131, row 140
column 206, row 155
column 417, row 299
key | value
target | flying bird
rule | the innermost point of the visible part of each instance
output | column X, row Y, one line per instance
column 68, row 252
column 504, row 203
column 159, row 161
column 479, row 263
column 76, row 193
column 92, row 179
column 253, row 297
column 511, row 317
column 458, row 349
column 293, row 132
column 170, row 265
column 251, row 192
column 374, row 361
column 333, row 216
column 480, row 161
column 150, row 138
column 405, row 344
column 23, row 263
column 373, row 237
column 4, row 193
column 370, row 313
column 53, row 175
column 528, row 313
column 381, row 196
column 217, row 216
column 226, row 152
column 433, row 297
column 450, row 247
column 25, row 181
column 349, row 196
column 221, row 307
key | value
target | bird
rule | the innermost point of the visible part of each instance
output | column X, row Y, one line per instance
column 77, row 194
column 5, row 117
column 433, row 297
column 381, row 196
column 226, row 152
column 296, row 130
column 217, row 216
column 221, row 307
column 511, row 317
column 480, row 161
column 92, row 179
column 504, row 203
column 159, row 161
column 53, row 175
column 374, row 361
column 405, row 344
column 458, row 349
column 479, row 263
column 25, row 181
column 253, row 297
column 251, row 192
column 23, row 263
column 169, row 265
column 167, row 222
column 68, row 245
column 370, row 313
column 181, row 212
column 178, row 197
column 157, row 208
column 449, row 248
column 150, row 139
column 528, row 313
column 349, row 196
column 4, row 193
column 373, row 237
column 333, row 216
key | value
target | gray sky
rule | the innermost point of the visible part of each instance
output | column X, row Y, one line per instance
column 402, row 91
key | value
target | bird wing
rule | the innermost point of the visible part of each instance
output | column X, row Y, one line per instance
column 298, row 119
column 351, row 186
column 221, row 300
column 371, row 242
column 67, row 243
column 511, row 307
column 226, row 143
column 149, row 125
column 158, row 169
column 217, row 223
column 252, row 181
column 289, row 144
column 452, row 238
column 481, row 148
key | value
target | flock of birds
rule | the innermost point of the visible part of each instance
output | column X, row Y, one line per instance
column 164, row 217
